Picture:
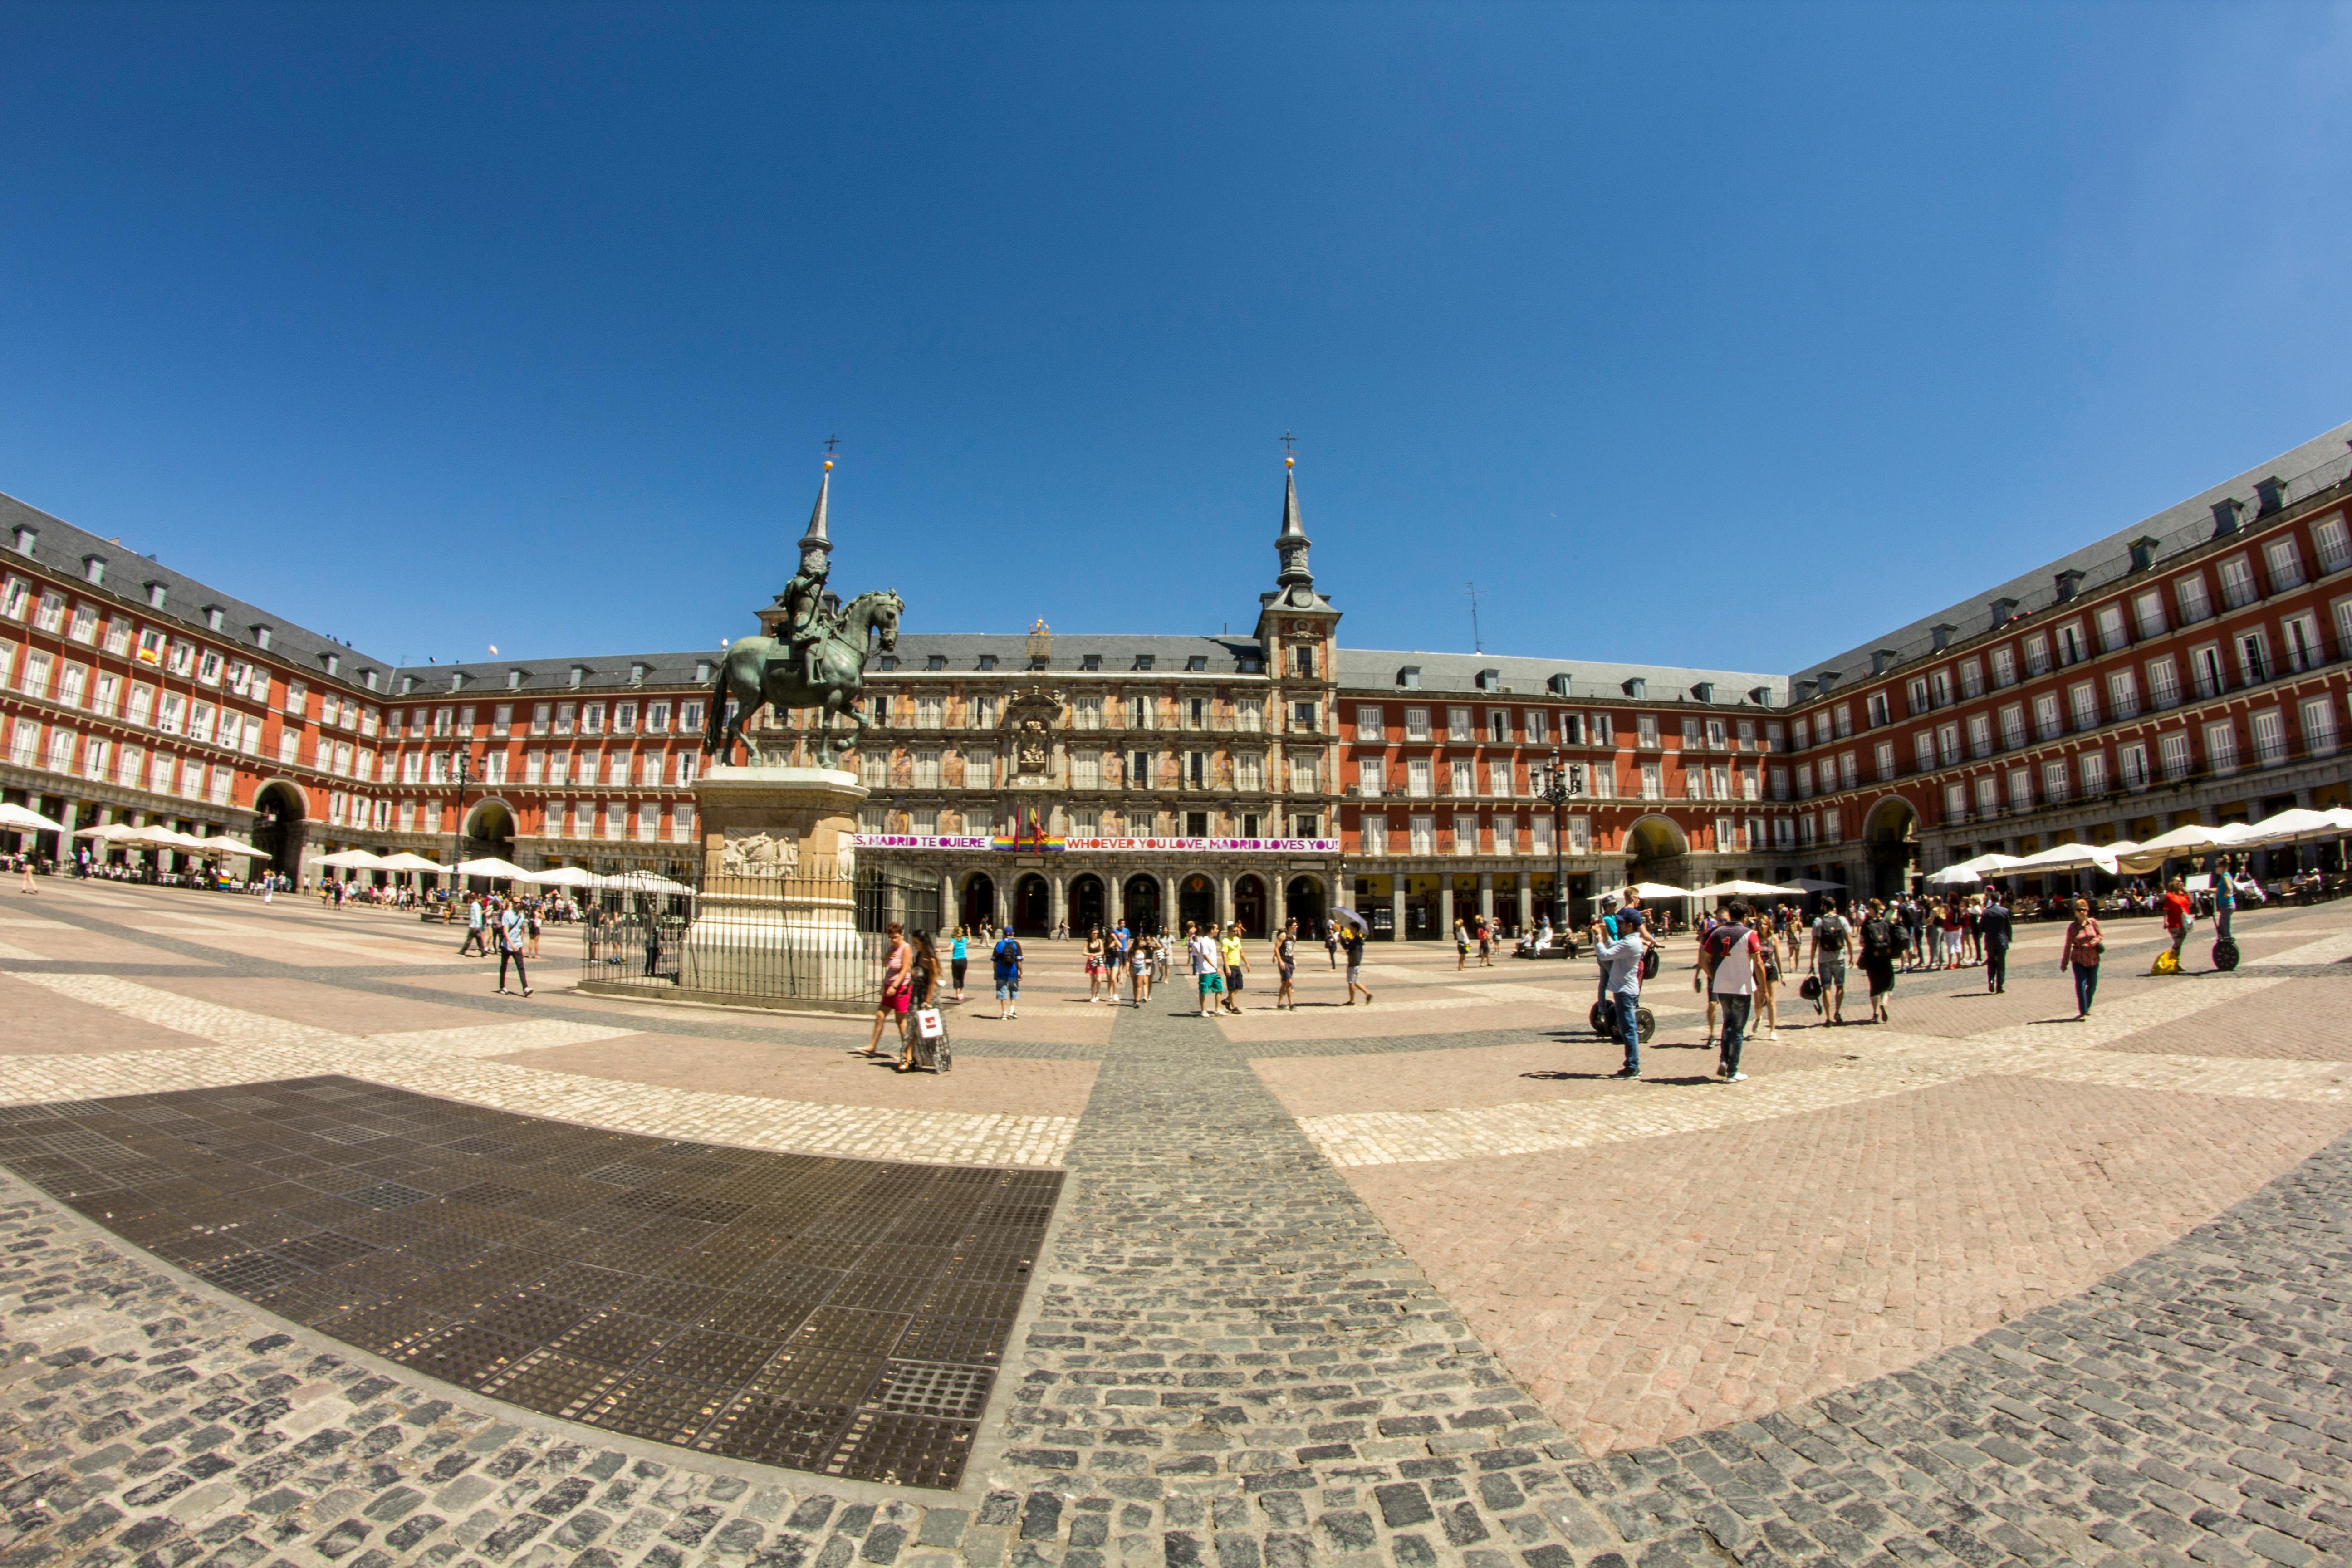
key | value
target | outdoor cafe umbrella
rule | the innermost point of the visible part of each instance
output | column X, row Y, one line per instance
column 156, row 836
column 2288, row 827
column 1812, row 885
column 25, row 820
column 1661, row 891
column 352, row 860
column 106, row 832
column 1954, row 876
column 2185, row 841
column 224, row 844
column 640, row 883
column 1737, row 887
column 2070, row 857
column 407, row 862
column 564, row 877
column 491, row 866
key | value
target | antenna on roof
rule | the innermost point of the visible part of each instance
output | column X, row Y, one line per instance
column 1476, row 645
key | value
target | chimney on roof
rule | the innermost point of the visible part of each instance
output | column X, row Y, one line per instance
column 2226, row 512
column 2270, row 496
column 2068, row 581
column 2003, row 610
column 2143, row 552
column 1942, row 632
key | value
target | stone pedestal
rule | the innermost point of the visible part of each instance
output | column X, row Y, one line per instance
column 776, row 922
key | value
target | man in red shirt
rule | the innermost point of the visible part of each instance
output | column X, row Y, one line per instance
column 2179, row 915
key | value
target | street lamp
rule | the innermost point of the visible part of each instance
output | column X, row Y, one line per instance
column 1554, row 789
column 464, row 772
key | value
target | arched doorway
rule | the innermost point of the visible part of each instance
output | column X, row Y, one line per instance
column 1033, row 906
column 1891, row 840
column 979, row 901
column 1196, row 901
column 1655, row 847
column 489, row 831
column 1140, row 899
column 1086, row 903
column 1304, row 898
column 1249, row 904
column 277, row 826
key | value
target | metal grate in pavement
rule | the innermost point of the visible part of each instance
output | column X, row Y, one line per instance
column 840, row 1316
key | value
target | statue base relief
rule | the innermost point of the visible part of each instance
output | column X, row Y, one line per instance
column 775, row 924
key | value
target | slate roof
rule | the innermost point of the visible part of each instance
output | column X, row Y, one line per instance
column 1375, row 669
column 2314, row 466
column 61, row 548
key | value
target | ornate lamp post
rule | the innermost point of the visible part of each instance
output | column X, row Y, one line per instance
column 1554, row 790
column 464, row 776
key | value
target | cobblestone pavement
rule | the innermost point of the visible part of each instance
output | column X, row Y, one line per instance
column 1232, row 1356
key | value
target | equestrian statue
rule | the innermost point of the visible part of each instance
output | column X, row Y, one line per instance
column 818, row 661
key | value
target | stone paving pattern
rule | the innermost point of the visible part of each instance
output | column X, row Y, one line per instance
column 1231, row 1360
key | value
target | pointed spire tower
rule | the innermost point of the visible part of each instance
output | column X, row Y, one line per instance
column 1294, row 583
column 816, row 538
column 1298, row 633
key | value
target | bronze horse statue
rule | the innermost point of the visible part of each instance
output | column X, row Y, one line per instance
column 761, row 673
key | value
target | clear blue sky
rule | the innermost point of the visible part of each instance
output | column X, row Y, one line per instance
column 1720, row 335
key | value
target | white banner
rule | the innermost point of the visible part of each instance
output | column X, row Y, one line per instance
column 1226, row 845
column 916, row 841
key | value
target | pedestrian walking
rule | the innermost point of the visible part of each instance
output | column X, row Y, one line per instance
column 1620, row 944
column 1878, row 953
column 1094, row 959
column 1006, row 957
column 1200, row 950
column 513, row 930
column 897, row 994
column 1461, row 945
column 1733, row 957
column 957, row 958
column 1286, row 964
column 474, row 930
column 1354, row 942
column 1331, row 930
column 2081, row 952
column 1233, row 963
column 2179, row 915
column 1832, row 936
column 922, row 990
column 1140, row 960
column 1995, row 925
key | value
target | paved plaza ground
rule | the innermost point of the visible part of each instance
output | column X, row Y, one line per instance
column 313, row 1250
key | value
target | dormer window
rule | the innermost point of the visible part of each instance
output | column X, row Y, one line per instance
column 1638, row 686
column 1251, row 665
column 407, row 684
column 1557, row 684
column 457, row 678
column 214, row 615
column 1198, row 662
column 988, row 662
column 331, row 661
column 936, row 661
column 1090, row 661
column 579, row 674
column 261, row 635
column 514, row 680
column 889, row 661
column 368, row 678
column 1409, row 677
column 637, row 674
column 154, row 596
column 25, row 539
column 1144, row 661
column 1490, row 680
column 93, row 569
column 701, row 670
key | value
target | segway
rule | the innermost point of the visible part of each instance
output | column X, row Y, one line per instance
column 1604, row 1019
column 2225, row 955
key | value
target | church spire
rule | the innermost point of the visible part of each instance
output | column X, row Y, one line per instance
column 1291, row 543
column 816, row 537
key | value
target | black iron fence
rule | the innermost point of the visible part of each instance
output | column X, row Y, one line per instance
column 811, row 935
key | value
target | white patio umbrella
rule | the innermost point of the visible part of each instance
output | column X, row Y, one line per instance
column 491, row 866
column 1812, row 885
column 25, row 820
column 2070, row 857
column 2291, row 826
column 1954, row 876
column 407, row 862
column 564, row 877
column 640, row 883
column 225, row 844
column 106, row 832
column 156, row 836
column 1737, row 887
column 2186, row 840
column 1661, row 891
column 353, row 860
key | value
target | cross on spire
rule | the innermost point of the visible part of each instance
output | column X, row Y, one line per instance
column 830, row 443
column 1290, row 442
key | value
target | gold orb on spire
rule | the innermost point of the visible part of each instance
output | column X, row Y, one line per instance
column 828, row 465
column 1288, row 462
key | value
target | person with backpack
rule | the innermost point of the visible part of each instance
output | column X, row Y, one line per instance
column 1732, row 957
column 1881, row 940
column 1007, row 954
column 1621, row 946
column 1997, row 930
column 1832, row 937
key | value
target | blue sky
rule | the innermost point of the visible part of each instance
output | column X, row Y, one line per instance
column 1714, row 335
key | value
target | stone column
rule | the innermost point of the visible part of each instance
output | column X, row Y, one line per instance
column 1446, row 909
column 950, row 915
column 66, row 844
column 1396, row 906
column 1168, row 918
column 1486, row 894
column 1526, row 903
column 1060, row 885
column 1225, row 898
column 1277, row 899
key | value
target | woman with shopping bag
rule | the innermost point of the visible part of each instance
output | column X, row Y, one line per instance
column 927, row 1040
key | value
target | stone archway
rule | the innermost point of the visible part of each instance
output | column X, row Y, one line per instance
column 1088, row 904
column 1655, row 851
column 979, row 900
column 1196, row 901
column 489, row 830
column 1890, row 837
column 1304, row 900
column 1140, row 902
column 1033, row 906
column 278, row 813
column 1249, row 904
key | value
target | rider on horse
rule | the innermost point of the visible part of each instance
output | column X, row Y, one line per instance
column 805, row 620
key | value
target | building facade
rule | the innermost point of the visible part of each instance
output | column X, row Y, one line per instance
column 2193, row 668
